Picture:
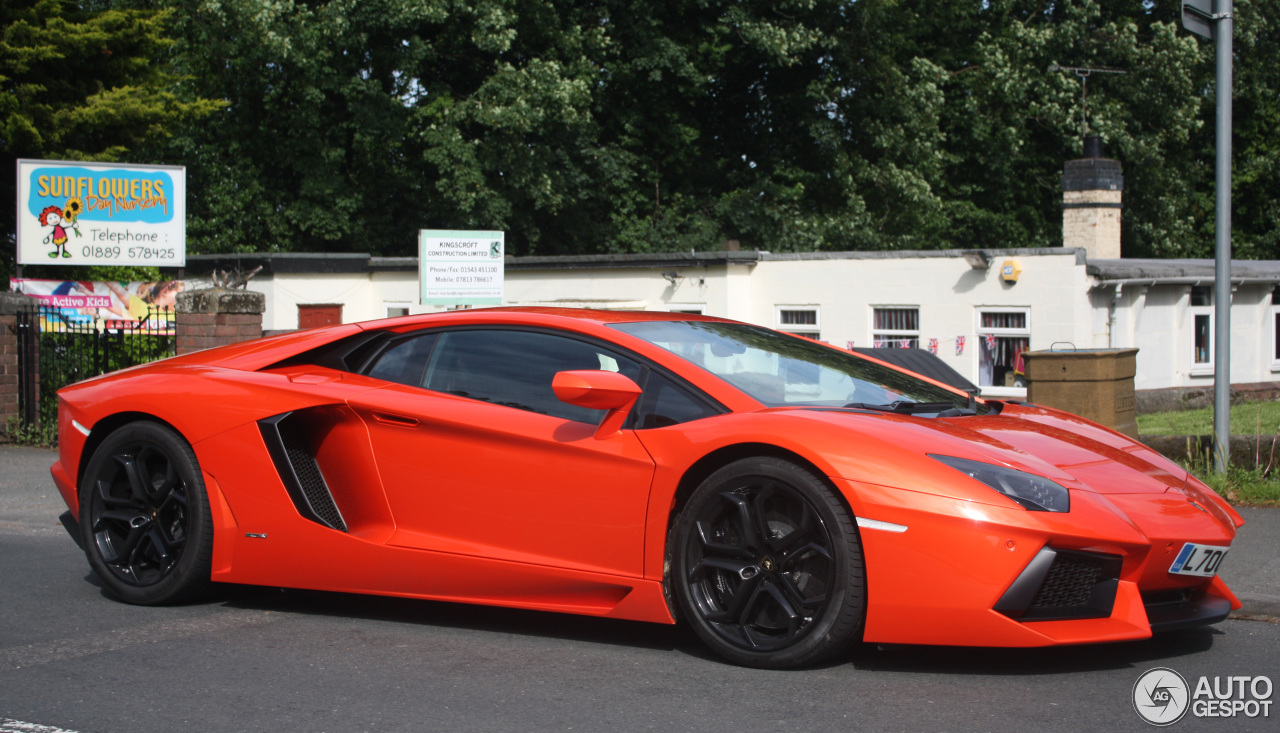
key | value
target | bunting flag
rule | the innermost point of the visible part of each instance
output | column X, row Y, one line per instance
column 849, row 346
column 933, row 346
column 888, row 343
column 991, row 342
column 959, row 345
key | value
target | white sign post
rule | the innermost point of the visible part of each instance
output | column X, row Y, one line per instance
column 460, row 268
column 72, row 213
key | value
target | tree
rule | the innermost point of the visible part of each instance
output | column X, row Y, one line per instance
column 615, row 126
column 1256, row 120
column 78, row 82
column 626, row 125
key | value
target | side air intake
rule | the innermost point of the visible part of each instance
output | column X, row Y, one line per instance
column 299, row 471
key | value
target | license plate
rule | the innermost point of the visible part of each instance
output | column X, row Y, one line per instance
column 1202, row 560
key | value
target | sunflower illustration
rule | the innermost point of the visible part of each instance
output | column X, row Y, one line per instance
column 71, row 212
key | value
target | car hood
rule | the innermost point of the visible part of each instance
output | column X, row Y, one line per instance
column 1049, row 443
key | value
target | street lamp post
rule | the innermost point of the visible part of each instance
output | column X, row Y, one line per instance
column 1213, row 19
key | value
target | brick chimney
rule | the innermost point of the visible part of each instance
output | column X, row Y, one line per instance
column 1091, row 202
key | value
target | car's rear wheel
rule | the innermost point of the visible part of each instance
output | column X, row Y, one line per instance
column 766, row 565
column 144, row 516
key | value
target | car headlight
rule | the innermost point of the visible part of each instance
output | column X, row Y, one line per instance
column 1034, row 493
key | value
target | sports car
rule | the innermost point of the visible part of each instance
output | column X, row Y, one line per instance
column 783, row 497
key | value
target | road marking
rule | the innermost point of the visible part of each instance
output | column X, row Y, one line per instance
column 33, row 655
column 9, row 725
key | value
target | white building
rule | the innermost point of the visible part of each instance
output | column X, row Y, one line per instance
column 980, row 308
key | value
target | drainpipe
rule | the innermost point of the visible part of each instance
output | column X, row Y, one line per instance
column 1111, row 315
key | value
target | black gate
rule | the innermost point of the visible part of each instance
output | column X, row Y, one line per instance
column 58, row 346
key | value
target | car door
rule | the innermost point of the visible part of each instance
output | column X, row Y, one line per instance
column 478, row 457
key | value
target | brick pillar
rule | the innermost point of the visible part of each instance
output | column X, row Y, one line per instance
column 216, row 317
column 10, row 304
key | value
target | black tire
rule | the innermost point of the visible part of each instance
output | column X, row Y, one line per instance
column 766, row 566
column 144, row 516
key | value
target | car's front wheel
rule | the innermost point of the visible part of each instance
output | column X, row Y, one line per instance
column 144, row 516
column 766, row 565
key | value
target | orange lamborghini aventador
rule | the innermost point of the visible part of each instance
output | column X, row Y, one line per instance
column 784, row 498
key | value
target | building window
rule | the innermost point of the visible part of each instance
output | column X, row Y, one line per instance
column 1201, row 310
column 896, row 328
column 690, row 308
column 1003, row 335
column 799, row 320
column 1275, row 329
column 395, row 310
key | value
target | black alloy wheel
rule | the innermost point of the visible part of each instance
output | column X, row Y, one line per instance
column 144, row 516
column 767, row 565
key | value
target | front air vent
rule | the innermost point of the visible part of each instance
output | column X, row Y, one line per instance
column 299, row 471
column 1070, row 582
column 1063, row 584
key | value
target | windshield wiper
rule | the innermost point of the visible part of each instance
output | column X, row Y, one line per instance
column 907, row 407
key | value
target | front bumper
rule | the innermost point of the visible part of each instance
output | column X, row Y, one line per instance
column 971, row 574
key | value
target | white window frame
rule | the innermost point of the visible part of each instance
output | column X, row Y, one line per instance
column 808, row 330
column 1201, row 369
column 895, row 335
column 997, row 390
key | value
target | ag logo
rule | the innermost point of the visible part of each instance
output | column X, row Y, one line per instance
column 1161, row 696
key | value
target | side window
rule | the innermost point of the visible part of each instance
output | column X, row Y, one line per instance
column 515, row 368
column 404, row 361
column 667, row 403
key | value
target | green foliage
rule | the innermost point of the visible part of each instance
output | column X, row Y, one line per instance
column 40, row 435
column 575, row 127
column 1255, row 486
column 138, row 273
column 1256, row 118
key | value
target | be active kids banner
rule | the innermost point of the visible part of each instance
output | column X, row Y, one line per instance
column 144, row 306
column 72, row 213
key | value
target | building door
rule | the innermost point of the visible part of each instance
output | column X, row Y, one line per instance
column 316, row 316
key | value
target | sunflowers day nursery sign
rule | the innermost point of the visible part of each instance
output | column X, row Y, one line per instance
column 101, row 214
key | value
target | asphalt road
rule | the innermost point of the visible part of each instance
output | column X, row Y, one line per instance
column 73, row 659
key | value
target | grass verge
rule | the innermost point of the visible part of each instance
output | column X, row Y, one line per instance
column 1252, row 418
column 1250, row 485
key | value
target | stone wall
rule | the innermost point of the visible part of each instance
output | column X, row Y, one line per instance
column 1247, row 451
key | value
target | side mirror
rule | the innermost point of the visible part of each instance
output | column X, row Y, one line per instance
column 597, row 389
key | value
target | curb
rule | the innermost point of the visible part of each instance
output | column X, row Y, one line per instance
column 1257, row 605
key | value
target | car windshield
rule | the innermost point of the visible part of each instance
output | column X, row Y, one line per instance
column 780, row 370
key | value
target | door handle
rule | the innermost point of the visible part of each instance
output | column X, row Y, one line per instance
column 399, row 421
